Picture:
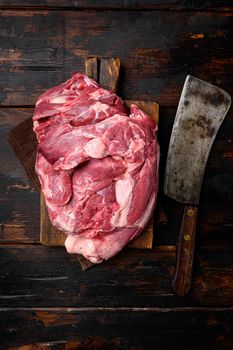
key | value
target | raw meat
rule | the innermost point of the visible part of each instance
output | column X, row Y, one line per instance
column 98, row 166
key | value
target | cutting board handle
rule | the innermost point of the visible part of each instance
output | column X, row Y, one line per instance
column 185, row 251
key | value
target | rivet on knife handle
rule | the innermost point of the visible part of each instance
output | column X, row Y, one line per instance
column 185, row 251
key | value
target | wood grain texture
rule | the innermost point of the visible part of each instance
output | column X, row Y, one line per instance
column 38, row 276
column 182, row 281
column 122, row 4
column 19, row 202
column 92, row 68
column 103, row 329
column 49, row 235
column 109, row 73
column 24, row 143
column 47, row 46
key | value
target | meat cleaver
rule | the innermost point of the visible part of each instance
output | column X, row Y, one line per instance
column 201, row 110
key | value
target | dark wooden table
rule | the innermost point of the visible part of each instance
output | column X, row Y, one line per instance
column 46, row 301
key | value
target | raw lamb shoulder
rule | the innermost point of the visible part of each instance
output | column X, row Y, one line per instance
column 97, row 163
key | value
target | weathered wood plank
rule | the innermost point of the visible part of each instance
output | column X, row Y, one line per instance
column 35, row 276
column 10, row 117
column 23, row 141
column 19, row 203
column 188, row 43
column 92, row 68
column 123, row 328
column 121, row 4
column 156, row 61
column 49, row 235
column 33, row 40
column 109, row 73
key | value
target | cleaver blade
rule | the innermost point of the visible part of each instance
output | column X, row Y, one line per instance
column 201, row 110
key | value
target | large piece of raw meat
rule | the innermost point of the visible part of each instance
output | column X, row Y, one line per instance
column 97, row 163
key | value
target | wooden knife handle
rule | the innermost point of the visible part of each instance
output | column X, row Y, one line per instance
column 185, row 251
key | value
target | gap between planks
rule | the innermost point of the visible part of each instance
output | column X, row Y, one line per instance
column 227, row 9
column 119, row 309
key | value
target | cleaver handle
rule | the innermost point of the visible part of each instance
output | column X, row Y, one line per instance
column 185, row 251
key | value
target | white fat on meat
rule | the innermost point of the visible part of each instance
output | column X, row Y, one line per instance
column 101, row 247
column 95, row 148
column 36, row 124
column 123, row 190
column 64, row 222
column 96, row 94
column 58, row 100
column 100, row 107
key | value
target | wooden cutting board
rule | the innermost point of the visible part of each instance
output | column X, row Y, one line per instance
column 22, row 138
